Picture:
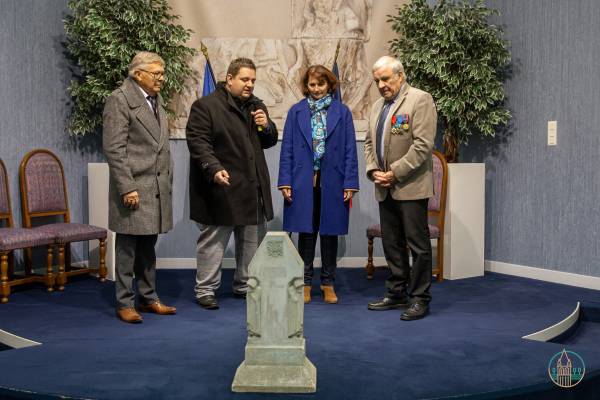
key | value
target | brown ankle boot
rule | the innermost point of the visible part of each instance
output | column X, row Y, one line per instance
column 329, row 294
column 307, row 294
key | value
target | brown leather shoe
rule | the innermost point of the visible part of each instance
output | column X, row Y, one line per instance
column 157, row 308
column 329, row 294
column 307, row 294
column 129, row 315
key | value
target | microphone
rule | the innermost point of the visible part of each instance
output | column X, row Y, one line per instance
column 259, row 128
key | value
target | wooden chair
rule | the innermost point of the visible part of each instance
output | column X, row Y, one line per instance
column 12, row 238
column 44, row 194
column 436, row 212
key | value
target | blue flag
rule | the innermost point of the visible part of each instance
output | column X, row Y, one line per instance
column 338, row 92
column 209, row 80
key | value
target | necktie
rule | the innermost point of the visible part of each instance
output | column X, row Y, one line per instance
column 154, row 105
column 379, row 133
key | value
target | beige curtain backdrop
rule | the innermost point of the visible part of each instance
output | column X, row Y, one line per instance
column 273, row 32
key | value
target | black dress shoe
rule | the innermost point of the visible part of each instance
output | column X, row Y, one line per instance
column 208, row 302
column 415, row 311
column 239, row 295
column 388, row 303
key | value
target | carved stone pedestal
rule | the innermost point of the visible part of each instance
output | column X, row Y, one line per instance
column 276, row 369
column 275, row 352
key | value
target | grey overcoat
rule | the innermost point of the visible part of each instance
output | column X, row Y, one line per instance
column 137, row 149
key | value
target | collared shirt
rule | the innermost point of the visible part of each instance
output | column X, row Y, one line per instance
column 146, row 96
column 381, row 124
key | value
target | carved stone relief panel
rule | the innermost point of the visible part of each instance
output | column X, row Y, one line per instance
column 347, row 19
column 281, row 62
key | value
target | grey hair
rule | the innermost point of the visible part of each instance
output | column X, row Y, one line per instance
column 384, row 61
column 143, row 59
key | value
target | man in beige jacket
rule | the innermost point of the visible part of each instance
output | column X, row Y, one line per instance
column 398, row 151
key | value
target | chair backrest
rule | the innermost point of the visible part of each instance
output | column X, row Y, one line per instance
column 437, row 203
column 43, row 187
column 5, row 209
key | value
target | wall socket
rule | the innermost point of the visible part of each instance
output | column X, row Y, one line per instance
column 552, row 133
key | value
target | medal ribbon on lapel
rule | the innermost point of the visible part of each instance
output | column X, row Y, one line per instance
column 400, row 123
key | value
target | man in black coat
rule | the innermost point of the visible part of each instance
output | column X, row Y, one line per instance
column 230, row 188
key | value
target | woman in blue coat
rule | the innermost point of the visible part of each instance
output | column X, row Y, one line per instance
column 318, row 174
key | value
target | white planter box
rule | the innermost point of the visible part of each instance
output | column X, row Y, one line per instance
column 98, row 214
column 465, row 221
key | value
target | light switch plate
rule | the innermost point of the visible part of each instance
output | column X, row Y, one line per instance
column 552, row 133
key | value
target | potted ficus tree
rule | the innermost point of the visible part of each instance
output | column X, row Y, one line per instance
column 452, row 51
column 102, row 38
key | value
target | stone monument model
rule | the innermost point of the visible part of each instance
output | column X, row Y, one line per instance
column 275, row 352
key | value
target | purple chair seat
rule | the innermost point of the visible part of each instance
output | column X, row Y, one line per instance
column 18, row 238
column 72, row 232
column 375, row 231
column 434, row 231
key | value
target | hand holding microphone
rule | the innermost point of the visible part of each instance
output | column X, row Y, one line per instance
column 260, row 119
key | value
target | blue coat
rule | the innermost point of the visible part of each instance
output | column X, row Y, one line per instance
column 339, row 169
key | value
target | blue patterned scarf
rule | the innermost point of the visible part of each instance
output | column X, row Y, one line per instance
column 318, row 124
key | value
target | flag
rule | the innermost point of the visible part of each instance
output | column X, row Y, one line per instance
column 338, row 92
column 209, row 80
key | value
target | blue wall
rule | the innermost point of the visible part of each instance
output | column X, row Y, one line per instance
column 33, row 99
column 542, row 202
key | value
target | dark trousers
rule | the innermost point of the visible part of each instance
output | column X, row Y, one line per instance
column 404, row 223
column 329, row 244
column 135, row 257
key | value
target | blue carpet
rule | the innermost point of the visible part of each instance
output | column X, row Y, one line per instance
column 470, row 345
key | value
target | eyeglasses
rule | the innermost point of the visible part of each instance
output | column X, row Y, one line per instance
column 155, row 75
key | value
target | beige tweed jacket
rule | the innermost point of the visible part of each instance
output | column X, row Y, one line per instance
column 408, row 148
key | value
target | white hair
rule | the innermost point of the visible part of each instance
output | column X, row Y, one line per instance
column 142, row 59
column 385, row 61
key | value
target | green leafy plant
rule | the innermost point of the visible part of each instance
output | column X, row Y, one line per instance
column 102, row 38
column 451, row 51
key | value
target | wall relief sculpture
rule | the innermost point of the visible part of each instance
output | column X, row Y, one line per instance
column 281, row 62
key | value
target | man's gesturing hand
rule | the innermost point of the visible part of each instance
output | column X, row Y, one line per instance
column 221, row 178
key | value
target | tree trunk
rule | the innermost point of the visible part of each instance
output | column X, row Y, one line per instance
column 450, row 146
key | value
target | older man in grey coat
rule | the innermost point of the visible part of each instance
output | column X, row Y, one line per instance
column 136, row 146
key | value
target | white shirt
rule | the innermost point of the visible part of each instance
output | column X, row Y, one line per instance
column 146, row 97
column 381, row 152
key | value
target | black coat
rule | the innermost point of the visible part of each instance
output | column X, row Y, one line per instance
column 222, row 136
